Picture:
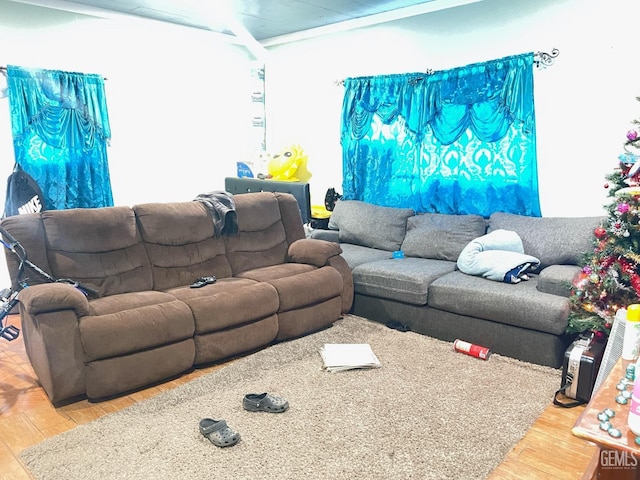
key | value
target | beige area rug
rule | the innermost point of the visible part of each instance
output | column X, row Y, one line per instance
column 428, row 413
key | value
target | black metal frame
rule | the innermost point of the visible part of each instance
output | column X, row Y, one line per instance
column 9, row 296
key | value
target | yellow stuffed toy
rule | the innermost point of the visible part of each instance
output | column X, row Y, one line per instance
column 289, row 165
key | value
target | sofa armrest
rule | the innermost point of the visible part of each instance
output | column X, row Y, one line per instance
column 313, row 251
column 328, row 235
column 558, row 279
column 320, row 253
column 52, row 297
column 49, row 316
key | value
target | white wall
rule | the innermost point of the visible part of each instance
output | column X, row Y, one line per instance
column 178, row 98
column 584, row 103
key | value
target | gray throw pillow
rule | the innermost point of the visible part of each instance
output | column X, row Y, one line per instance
column 370, row 225
column 440, row 236
column 554, row 240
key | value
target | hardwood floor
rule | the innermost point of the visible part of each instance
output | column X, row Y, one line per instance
column 547, row 452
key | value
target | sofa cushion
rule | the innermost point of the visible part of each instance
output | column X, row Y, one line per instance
column 370, row 225
column 356, row 255
column 180, row 242
column 228, row 303
column 553, row 240
column 439, row 236
column 521, row 304
column 134, row 322
column 261, row 240
column 558, row 279
column 405, row 280
column 99, row 247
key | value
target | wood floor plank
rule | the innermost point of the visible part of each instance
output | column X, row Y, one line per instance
column 558, row 460
column 83, row 411
column 11, row 467
column 18, row 433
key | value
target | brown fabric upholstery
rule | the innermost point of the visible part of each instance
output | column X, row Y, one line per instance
column 148, row 324
column 290, row 215
column 180, row 242
column 117, row 375
column 261, row 239
column 219, row 307
column 314, row 252
column 99, row 247
column 224, row 344
column 296, row 323
column 29, row 231
column 142, row 328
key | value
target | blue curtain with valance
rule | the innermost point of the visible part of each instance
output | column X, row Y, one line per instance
column 60, row 131
column 459, row 141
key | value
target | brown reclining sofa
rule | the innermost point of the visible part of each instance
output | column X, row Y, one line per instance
column 147, row 324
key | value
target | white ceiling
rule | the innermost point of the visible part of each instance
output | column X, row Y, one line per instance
column 266, row 22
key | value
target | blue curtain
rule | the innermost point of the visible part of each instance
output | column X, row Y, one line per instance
column 458, row 141
column 60, row 131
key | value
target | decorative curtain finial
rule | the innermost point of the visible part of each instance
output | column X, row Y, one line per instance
column 544, row 59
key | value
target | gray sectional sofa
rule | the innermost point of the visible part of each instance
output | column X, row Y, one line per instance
column 426, row 292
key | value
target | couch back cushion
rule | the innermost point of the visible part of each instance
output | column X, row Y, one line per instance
column 180, row 242
column 370, row 225
column 99, row 247
column 553, row 240
column 262, row 239
column 439, row 236
column 29, row 231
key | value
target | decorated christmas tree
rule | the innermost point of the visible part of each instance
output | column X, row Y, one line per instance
column 610, row 277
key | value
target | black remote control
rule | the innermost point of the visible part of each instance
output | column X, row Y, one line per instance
column 202, row 281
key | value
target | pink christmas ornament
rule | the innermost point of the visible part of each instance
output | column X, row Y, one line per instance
column 623, row 207
column 632, row 135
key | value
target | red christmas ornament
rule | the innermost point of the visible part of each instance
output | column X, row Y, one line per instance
column 599, row 232
column 635, row 283
column 606, row 185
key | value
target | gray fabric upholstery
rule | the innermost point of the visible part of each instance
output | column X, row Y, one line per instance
column 424, row 290
column 522, row 343
column 328, row 235
column 520, row 305
column 553, row 240
column 370, row 225
column 357, row 254
column 557, row 279
column 438, row 236
column 405, row 280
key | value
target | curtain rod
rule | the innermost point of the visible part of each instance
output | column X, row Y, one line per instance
column 540, row 60
column 4, row 70
column 544, row 59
